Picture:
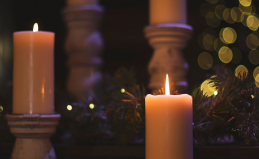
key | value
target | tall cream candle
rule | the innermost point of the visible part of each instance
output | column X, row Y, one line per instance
column 169, row 126
column 33, row 72
column 167, row 11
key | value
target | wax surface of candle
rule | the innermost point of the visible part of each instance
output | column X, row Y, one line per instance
column 167, row 11
column 33, row 76
column 169, row 127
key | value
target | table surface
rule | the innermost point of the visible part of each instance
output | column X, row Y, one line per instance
column 138, row 152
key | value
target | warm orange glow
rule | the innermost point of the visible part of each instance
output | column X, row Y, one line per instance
column 35, row 27
column 167, row 88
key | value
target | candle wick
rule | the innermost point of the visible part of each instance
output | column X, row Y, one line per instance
column 167, row 88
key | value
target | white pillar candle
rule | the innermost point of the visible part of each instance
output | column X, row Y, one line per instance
column 169, row 126
column 33, row 72
column 167, row 11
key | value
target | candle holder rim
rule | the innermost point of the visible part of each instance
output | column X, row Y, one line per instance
column 170, row 25
column 28, row 116
column 95, row 7
column 30, row 31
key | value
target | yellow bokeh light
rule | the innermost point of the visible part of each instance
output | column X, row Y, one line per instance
column 257, row 84
column 205, row 60
column 212, row 20
column 237, row 55
column 208, row 42
column 256, row 72
column 252, row 41
column 91, row 106
column 246, row 10
column 244, row 19
column 241, row 69
column 226, row 13
column 225, row 54
column 212, row 1
column 1, row 108
column 69, row 107
column 228, row 35
column 236, row 14
column 252, row 22
column 227, row 17
column 257, row 78
column 245, row 3
column 219, row 9
column 122, row 90
column 208, row 88
column 254, row 57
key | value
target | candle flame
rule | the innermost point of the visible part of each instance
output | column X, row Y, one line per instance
column 35, row 27
column 167, row 88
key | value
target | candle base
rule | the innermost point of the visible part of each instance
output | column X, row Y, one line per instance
column 168, row 40
column 33, row 132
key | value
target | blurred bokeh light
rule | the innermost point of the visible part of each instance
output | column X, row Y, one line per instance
column 252, row 22
column 254, row 57
column 208, row 88
column 236, row 14
column 225, row 54
column 247, row 10
column 212, row 1
column 240, row 70
column 212, row 20
column 252, row 41
column 219, row 9
column 256, row 73
column 227, row 17
column 208, row 42
column 205, row 60
column 245, row 3
column 228, row 35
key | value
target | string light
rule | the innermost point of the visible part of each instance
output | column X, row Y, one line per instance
column 91, row 106
column 69, row 107
column 122, row 90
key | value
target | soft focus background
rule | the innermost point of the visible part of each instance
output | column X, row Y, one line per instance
column 125, row 45
column 224, row 31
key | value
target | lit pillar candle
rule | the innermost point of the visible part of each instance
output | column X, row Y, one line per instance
column 167, row 11
column 169, row 126
column 33, row 72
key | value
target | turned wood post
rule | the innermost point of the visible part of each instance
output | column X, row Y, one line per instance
column 83, row 44
column 168, row 40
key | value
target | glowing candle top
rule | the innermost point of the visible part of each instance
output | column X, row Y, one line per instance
column 35, row 27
